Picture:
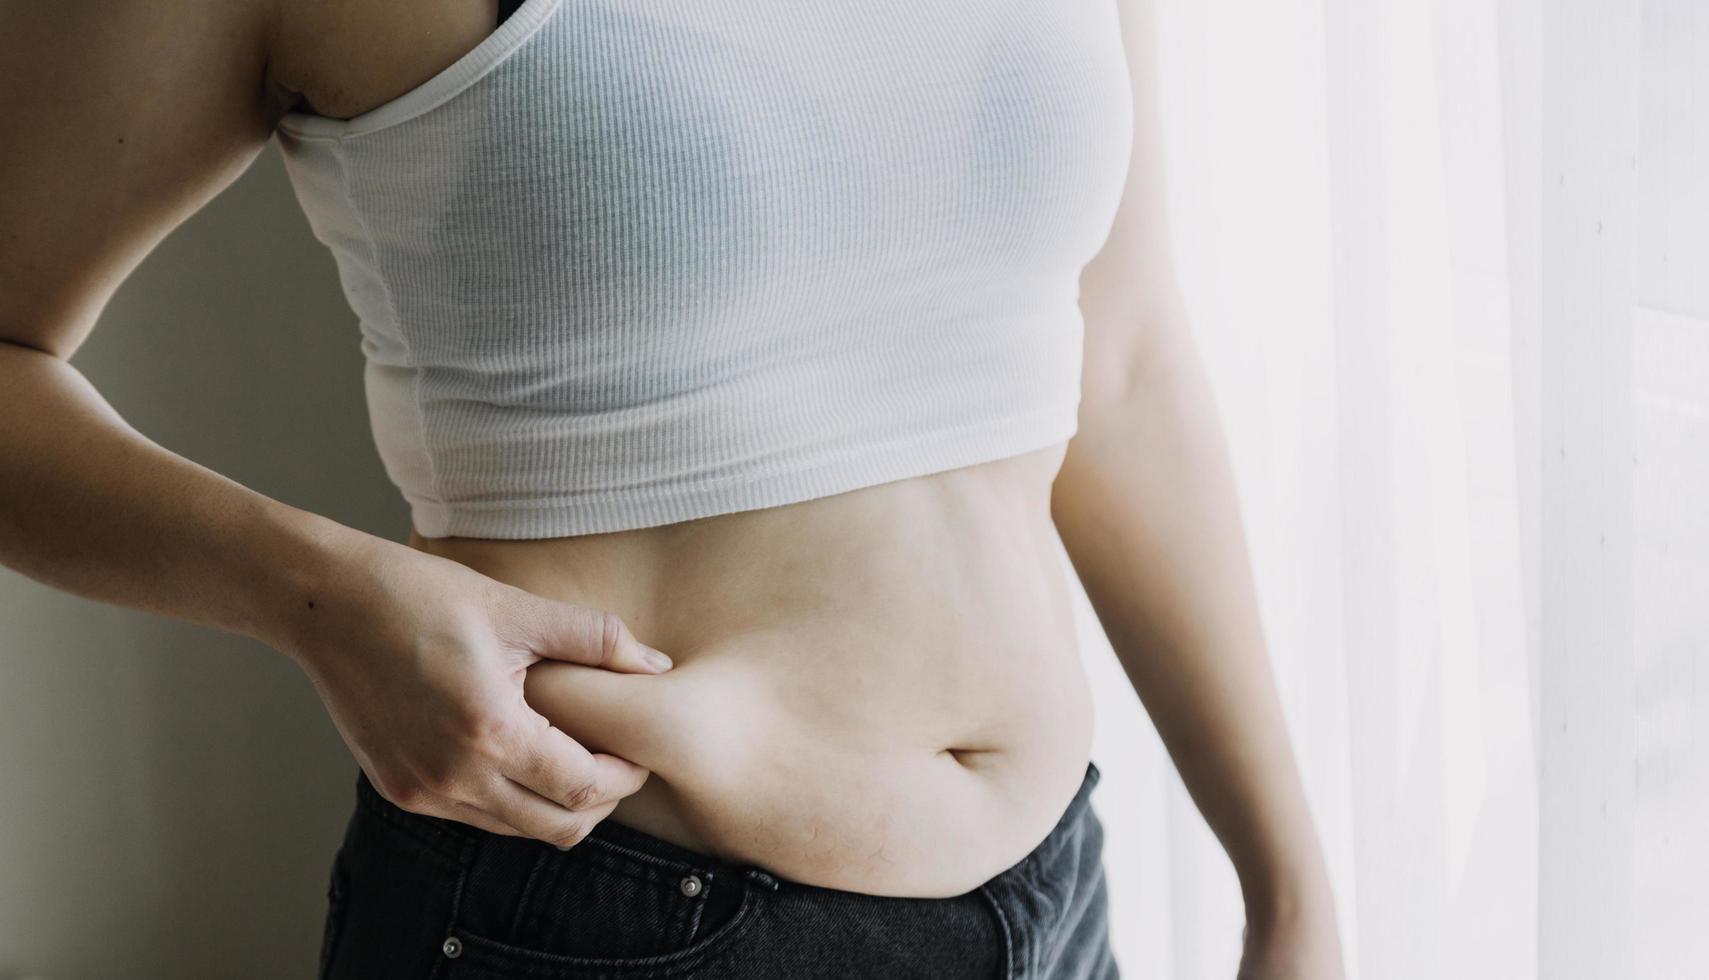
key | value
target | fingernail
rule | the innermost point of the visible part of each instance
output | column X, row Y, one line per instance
column 656, row 659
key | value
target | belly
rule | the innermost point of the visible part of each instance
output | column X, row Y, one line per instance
column 879, row 691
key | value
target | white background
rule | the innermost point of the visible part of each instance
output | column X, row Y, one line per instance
column 1448, row 265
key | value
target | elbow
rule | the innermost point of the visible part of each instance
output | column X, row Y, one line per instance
column 1160, row 362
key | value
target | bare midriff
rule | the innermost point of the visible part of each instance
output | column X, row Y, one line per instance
column 879, row 691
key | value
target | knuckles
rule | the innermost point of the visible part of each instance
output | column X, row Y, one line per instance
column 571, row 835
column 483, row 735
column 438, row 779
column 441, row 780
column 406, row 794
column 614, row 638
column 583, row 796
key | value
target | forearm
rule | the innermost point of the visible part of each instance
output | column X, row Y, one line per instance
column 91, row 507
column 1146, row 507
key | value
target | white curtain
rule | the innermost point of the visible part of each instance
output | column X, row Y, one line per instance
column 1448, row 265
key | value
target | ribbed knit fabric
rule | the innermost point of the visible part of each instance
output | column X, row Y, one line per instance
column 634, row 262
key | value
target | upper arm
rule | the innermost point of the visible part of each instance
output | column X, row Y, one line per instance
column 1129, row 296
column 121, row 119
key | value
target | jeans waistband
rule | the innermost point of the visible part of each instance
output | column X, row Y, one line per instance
column 1082, row 798
column 1072, row 815
column 455, row 840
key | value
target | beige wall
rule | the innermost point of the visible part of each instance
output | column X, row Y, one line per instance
column 171, row 796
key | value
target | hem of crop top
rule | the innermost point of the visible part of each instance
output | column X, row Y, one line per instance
column 622, row 509
column 504, row 41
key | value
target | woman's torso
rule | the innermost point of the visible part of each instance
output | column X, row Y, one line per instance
column 878, row 690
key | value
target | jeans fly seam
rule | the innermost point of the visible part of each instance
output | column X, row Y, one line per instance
column 1008, row 934
column 466, row 860
column 517, row 923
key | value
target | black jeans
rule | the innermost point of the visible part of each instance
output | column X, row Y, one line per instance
column 413, row 896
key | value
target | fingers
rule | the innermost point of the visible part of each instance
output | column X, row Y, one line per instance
column 586, row 635
column 513, row 810
column 415, row 798
column 541, row 818
column 559, row 768
column 464, row 813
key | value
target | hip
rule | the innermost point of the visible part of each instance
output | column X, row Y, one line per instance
column 417, row 896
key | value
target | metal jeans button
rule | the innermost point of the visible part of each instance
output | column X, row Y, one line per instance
column 452, row 947
column 690, row 885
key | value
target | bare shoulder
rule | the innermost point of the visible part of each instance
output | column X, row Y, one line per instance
column 122, row 118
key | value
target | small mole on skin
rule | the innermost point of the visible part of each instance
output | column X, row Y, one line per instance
column 311, row 603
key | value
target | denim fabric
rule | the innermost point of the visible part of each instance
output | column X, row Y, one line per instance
column 413, row 896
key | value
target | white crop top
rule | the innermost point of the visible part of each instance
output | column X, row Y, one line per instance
column 633, row 262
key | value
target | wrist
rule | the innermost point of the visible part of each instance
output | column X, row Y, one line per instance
column 309, row 566
column 1278, row 896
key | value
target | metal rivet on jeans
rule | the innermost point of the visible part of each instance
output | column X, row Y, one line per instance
column 452, row 947
column 691, row 886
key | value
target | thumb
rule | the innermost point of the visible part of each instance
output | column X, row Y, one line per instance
column 595, row 637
